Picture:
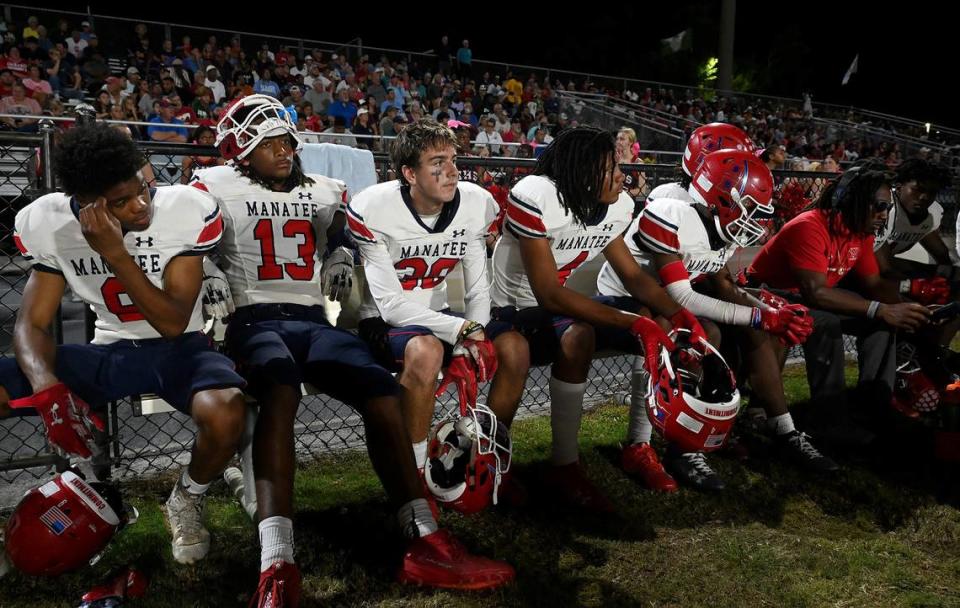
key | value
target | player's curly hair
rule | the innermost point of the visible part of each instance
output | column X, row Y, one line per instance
column 920, row 170
column 296, row 179
column 90, row 159
column 422, row 135
column 577, row 162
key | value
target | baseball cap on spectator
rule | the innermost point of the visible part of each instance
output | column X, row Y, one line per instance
column 295, row 88
column 84, row 24
column 362, row 111
column 133, row 70
column 335, row 57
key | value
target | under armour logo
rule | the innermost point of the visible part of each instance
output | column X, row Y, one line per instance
column 459, row 233
column 607, row 227
column 54, row 416
column 148, row 241
column 305, row 195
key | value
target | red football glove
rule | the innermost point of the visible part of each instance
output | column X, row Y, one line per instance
column 929, row 291
column 792, row 323
column 463, row 374
column 652, row 337
column 684, row 319
column 771, row 299
column 67, row 419
column 482, row 356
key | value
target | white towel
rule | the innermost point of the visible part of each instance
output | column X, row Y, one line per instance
column 352, row 165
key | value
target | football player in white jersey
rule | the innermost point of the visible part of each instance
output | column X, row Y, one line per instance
column 687, row 246
column 276, row 221
column 570, row 210
column 915, row 218
column 134, row 255
column 412, row 232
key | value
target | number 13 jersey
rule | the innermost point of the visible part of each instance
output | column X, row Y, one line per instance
column 271, row 240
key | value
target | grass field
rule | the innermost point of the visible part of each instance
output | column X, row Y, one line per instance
column 874, row 535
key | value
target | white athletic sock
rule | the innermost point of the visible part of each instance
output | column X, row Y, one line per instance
column 566, row 409
column 416, row 520
column 782, row 424
column 420, row 453
column 640, row 429
column 276, row 541
column 192, row 487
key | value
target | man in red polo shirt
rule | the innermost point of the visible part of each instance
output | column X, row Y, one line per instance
column 810, row 258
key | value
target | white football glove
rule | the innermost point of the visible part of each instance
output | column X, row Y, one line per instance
column 336, row 275
column 217, row 298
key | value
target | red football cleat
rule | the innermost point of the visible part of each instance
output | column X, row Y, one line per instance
column 641, row 459
column 440, row 560
column 279, row 587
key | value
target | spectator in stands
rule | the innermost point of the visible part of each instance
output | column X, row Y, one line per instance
column 628, row 153
column 30, row 30
column 34, row 83
column 266, row 85
column 76, row 45
column 444, row 54
column 15, row 63
column 391, row 100
column 362, row 126
column 183, row 113
column 343, row 108
column 163, row 131
column 339, row 134
column 203, row 106
column 295, row 97
column 213, row 82
column 311, row 120
column 465, row 60
column 468, row 116
column 515, row 135
column 387, row 125
column 147, row 93
column 133, row 81
column 319, row 96
column 489, row 137
column 773, row 156
column 114, row 88
column 541, row 139
column 19, row 103
column 6, row 83
column 101, row 104
column 130, row 109
column 203, row 136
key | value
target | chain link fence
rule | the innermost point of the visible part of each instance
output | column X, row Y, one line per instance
column 138, row 445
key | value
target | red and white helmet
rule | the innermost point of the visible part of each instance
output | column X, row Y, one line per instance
column 466, row 458
column 694, row 399
column 250, row 119
column 912, row 386
column 710, row 138
column 61, row 525
column 738, row 188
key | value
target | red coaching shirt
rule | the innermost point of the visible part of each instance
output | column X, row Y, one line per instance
column 808, row 242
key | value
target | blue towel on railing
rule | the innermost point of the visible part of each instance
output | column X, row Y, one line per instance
column 352, row 165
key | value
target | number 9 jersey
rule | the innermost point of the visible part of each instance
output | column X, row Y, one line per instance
column 272, row 241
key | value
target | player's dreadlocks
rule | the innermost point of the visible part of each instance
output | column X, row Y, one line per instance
column 92, row 158
column 296, row 179
column 852, row 195
column 578, row 162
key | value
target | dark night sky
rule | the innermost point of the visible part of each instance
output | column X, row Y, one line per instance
column 906, row 60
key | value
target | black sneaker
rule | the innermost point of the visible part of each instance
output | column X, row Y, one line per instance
column 692, row 469
column 796, row 448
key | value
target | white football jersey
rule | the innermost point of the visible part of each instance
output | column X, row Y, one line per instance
column 534, row 211
column 674, row 227
column 273, row 242
column 670, row 190
column 407, row 259
column 185, row 222
column 901, row 233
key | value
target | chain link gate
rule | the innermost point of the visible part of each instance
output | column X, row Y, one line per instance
column 141, row 445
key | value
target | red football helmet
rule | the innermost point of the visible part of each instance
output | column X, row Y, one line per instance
column 738, row 188
column 710, row 138
column 912, row 387
column 466, row 457
column 250, row 119
column 694, row 399
column 62, row 525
